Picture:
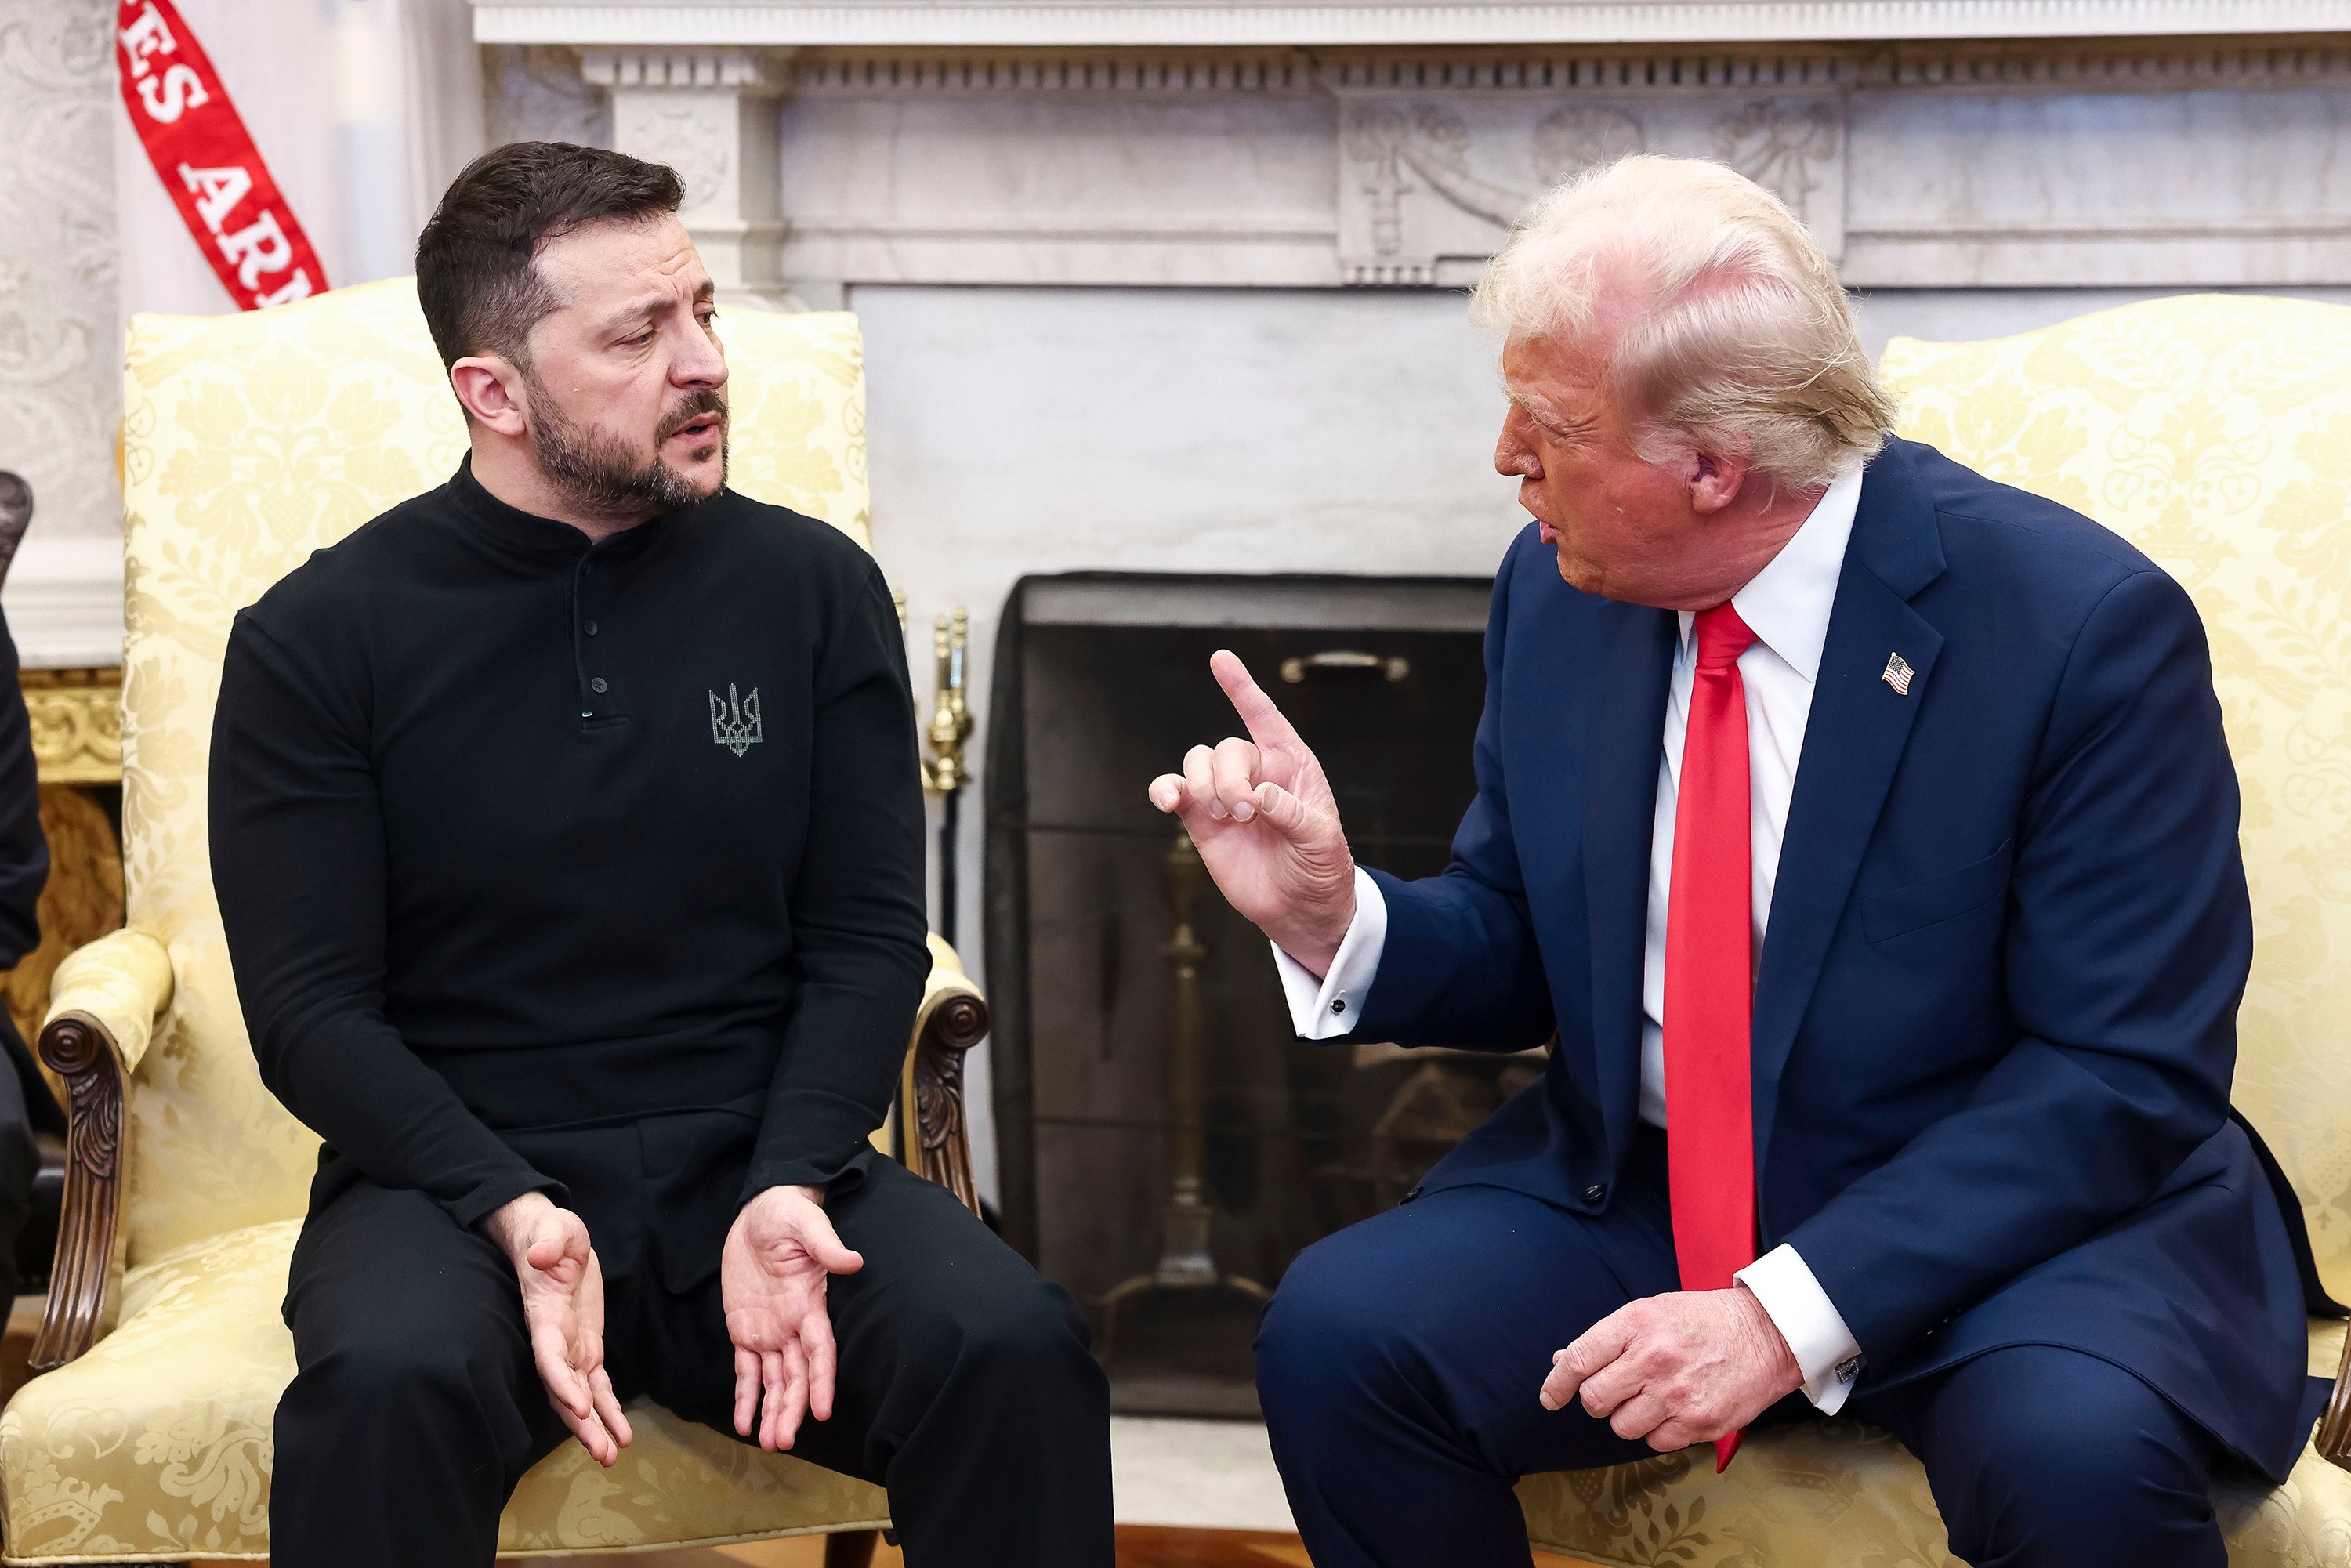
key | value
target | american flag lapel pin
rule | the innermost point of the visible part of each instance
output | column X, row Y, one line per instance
column 1898, row 674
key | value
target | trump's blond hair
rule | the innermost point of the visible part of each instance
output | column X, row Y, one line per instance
column 1719, row 321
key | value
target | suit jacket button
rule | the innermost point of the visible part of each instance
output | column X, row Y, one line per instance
column 1594, row 1193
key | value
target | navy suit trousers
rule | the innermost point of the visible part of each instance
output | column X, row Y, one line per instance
column 1400, row 1360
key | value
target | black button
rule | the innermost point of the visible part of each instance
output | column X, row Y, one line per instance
column 1338, row 1004
column 590, row 628
column 1594, row 1193
column 596, row 684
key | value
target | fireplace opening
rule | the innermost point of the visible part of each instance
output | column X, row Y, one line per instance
column 1166, row 1145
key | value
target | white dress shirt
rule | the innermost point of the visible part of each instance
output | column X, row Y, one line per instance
column 1787, row 605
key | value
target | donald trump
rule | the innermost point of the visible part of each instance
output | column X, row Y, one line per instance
column 1862, row 834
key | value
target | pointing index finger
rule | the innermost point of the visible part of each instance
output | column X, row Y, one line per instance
column 1266, row 723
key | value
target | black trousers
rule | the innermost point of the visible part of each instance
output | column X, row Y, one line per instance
column 966, row 1386
column 1399, row 1362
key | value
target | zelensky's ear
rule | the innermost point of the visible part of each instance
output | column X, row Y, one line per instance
column 490, row 390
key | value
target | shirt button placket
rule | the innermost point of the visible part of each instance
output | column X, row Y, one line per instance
column 585, row 628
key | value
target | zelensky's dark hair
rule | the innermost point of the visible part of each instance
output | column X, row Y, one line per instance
column 476, row 261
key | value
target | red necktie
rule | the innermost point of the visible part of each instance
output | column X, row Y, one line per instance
column 1711, row 977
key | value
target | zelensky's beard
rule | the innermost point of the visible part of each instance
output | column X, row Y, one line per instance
column 600, row 476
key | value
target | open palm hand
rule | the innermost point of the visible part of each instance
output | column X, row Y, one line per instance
column 781, row 1254
column 563, row 1308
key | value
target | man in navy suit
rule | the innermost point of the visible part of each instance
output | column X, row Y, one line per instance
column 1862, row 835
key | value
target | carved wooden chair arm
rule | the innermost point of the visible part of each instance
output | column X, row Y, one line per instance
column 2333, row 1439
column 952, row 1019
column 102, row 1007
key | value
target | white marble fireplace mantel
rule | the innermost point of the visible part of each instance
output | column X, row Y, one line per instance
column 1931, row 143
column 1176, row 24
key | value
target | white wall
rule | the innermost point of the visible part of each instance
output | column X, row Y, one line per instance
column 1035, row 430
column 59, row 400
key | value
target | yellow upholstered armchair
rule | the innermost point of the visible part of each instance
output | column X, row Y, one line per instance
column 250, row 441
column 2215, row 433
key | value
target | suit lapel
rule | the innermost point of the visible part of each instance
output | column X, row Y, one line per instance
column 1631, row 669
column 1853, row 742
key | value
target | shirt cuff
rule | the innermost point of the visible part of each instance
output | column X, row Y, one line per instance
column 487, row 1197
column 1827, row 1352
column 1328, row 1007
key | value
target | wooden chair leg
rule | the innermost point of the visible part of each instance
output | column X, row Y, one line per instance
column 851, row 1548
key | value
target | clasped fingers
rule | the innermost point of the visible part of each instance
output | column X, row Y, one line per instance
column 1674, row 1370
column 1233, row 778
column 1221, row 781
column 1594, row 1352
column 1610, row 1386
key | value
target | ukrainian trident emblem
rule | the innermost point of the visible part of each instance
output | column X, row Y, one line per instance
column 734, row 721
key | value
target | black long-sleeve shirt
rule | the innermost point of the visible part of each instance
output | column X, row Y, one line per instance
column 546, row 866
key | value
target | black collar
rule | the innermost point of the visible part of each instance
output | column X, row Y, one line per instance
column 526, row 534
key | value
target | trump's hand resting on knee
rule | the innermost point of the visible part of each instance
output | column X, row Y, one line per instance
column 1677, row 1369
column 1261, row 815
column 564, row 1306
column 779, row 1254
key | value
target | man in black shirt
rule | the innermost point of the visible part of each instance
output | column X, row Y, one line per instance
column 568, row 834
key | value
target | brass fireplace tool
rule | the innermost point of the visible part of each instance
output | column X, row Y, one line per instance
column 944, row 775
column 1184, row 1260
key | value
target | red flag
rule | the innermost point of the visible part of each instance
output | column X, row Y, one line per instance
column 207, row 160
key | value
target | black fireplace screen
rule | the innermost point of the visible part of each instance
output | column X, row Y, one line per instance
column 1166, row 1145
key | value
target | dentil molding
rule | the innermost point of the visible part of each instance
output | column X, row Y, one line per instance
column 1153, row 24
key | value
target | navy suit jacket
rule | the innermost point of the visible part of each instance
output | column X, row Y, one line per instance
column 1995, row 1010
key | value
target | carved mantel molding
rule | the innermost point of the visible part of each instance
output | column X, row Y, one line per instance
column 1170, row 23
column 710, row 114
column 1932, row 144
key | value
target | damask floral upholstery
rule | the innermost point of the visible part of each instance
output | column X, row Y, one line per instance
column 2215, row 433
column 248, row 442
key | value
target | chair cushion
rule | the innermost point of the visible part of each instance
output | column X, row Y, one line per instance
column 1828, row 1493
column 157, row 1443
